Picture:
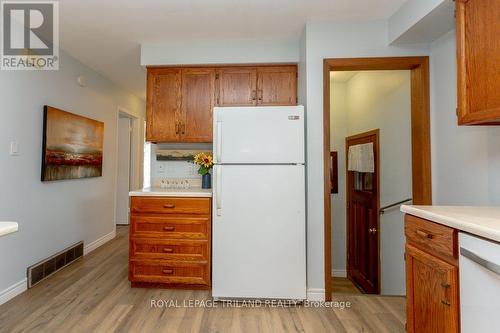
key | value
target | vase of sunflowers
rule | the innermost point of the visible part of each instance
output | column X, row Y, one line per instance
column 205, row 162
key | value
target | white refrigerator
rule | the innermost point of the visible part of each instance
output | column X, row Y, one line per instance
column 259, row 231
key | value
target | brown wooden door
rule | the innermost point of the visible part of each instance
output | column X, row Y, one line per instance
column 237, row 86
column 277, row 85
column 363, row 259
column 163, row 104
column 198, row 93
column 431, row 293
column 478, row 60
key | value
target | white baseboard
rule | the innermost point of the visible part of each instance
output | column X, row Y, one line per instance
column 12, row 291
column 315, row 294
column 101, row 241
column 339, row 273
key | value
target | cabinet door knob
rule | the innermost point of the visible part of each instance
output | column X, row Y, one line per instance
column 176, row 128
column 183, row 128
column 254, row 95
column 168, row 271
column 446, row 302
column 260, row 94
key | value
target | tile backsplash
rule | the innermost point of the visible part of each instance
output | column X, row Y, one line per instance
column 162, row 170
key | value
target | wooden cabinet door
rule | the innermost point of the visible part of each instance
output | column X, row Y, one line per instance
column 163, row 104
column 277, row 85
column 478, row 60
column 431, row 293
column 198, row 94
column 237, row 86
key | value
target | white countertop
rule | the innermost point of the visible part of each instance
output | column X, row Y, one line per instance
column 172, row 192
column 480, row 221
column 7, row 228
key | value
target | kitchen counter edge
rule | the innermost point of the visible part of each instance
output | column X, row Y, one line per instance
column 479, row 221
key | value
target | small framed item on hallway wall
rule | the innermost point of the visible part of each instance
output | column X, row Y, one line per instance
column 334, row 173
column 72, row 146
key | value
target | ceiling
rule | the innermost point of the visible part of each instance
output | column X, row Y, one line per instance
column 106, row 35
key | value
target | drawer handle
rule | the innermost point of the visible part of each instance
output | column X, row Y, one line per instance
column 168, row 228
column 168, row 271
column 446, row 302
column 168, row 250
column 424, row 234
column 169, row 206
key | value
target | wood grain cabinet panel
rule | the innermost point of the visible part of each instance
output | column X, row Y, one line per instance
column 478, row 60
column 170, row 242
column 198, row 97
column 277, row 85
column 163, row 104
column 432, row 293
column 237, row 86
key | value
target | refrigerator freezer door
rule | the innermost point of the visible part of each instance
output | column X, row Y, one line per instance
column 259, row 240
column 259, row 135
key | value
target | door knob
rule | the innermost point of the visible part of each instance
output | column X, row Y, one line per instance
column 372, row 230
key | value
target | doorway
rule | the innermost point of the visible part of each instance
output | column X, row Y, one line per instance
column 362, row 206
column 420, row 137
column 129, row 154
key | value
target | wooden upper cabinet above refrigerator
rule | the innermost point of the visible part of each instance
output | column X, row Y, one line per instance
column 277, row 85
column 478, row 60
column 261, row 85
column 180, row 100
column 237, row 86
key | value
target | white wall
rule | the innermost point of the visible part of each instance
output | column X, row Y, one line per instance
column 332, row 40
column 54, row 215
column 382, row 99
column 339, row 128
column 220, row 51
column 466, row 160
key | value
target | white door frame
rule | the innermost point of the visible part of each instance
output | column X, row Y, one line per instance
column 136, row 150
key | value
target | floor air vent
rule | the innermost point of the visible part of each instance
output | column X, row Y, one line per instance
column 49, row 266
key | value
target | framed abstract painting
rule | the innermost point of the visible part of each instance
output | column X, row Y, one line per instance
column 72, row 146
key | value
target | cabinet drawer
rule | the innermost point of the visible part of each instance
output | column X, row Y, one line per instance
column 163, row 205
column 170, row 227
column 432, row 237
column 169, row 249
column 169, row 272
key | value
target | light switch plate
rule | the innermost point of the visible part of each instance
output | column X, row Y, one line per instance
column 14, row 148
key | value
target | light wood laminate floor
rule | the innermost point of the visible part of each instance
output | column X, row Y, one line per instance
column 344, row 286
column 94, row 295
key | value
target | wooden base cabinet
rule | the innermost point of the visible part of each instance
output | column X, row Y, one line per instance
column 169, row 243
column 431, row 277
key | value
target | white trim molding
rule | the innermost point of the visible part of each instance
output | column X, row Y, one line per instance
column 315, row 294
column 12, row 291
column 101, row 241
column 339, row 273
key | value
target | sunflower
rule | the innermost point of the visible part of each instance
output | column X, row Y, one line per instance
column 205, row 161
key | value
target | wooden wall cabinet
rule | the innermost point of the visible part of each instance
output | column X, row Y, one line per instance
column 170, row 242
column 431, row 277
column 180, row 100
column 252, row 86
column 179, row 104
column 478, row 60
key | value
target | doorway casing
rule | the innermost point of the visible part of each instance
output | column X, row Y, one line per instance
column 420, row 133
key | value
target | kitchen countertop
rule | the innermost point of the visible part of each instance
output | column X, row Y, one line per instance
column 480, row 221
column 8, row 228
column 195, row 192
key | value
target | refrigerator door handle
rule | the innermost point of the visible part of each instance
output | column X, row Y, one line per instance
column 218, row 153
column 218, row 190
